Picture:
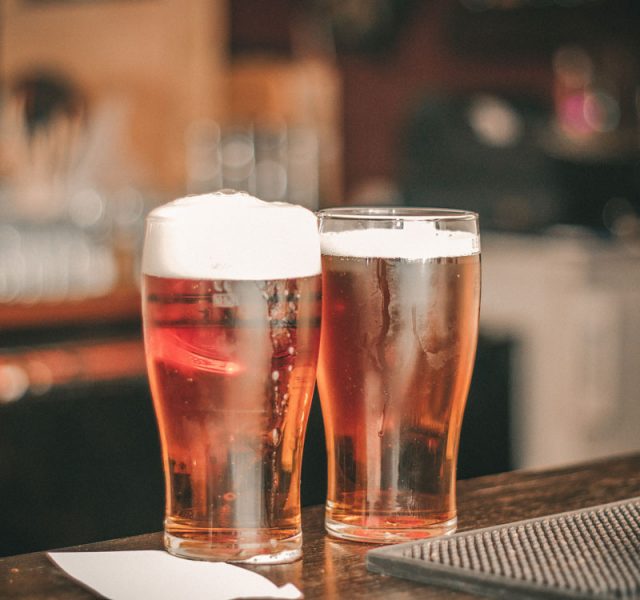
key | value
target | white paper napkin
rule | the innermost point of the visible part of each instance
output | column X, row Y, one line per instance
column 135, row 574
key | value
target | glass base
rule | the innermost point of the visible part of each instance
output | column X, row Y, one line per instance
column 393, row 534
column 271, row 552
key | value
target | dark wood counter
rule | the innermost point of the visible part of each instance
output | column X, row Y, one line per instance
column 332, row 569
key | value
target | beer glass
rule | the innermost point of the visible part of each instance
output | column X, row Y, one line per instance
column 401, row 295
column 231, row 310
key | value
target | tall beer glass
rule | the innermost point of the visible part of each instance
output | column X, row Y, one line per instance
column 231, row 307
column 401, row 294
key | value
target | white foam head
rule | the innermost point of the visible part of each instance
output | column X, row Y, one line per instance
column 230, row 235
column 418, row 240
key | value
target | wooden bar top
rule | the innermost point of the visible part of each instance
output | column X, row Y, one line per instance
column 332, row 569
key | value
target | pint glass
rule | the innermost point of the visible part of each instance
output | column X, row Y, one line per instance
column 401, row 294
column 231, row 308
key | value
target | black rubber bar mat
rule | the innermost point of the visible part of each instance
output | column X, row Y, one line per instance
column 588, row 553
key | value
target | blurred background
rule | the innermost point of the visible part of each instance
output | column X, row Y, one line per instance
column 527, row 111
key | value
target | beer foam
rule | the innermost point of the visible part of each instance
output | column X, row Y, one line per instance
column 417, row 241
column 231, row 235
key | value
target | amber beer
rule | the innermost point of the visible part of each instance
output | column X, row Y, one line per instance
column 232, row 365
column 397, row 350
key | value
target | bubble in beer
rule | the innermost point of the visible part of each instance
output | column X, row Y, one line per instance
column 275, row 437
column 231, row 236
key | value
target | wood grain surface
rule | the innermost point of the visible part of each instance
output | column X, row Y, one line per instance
column 332, row 569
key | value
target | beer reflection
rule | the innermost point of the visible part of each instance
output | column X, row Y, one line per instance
column 340, row 557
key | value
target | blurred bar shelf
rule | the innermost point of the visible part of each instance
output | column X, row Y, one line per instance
column 53, row 347
column 122, row 304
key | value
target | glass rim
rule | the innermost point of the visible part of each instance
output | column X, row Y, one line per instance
column 385, row 213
